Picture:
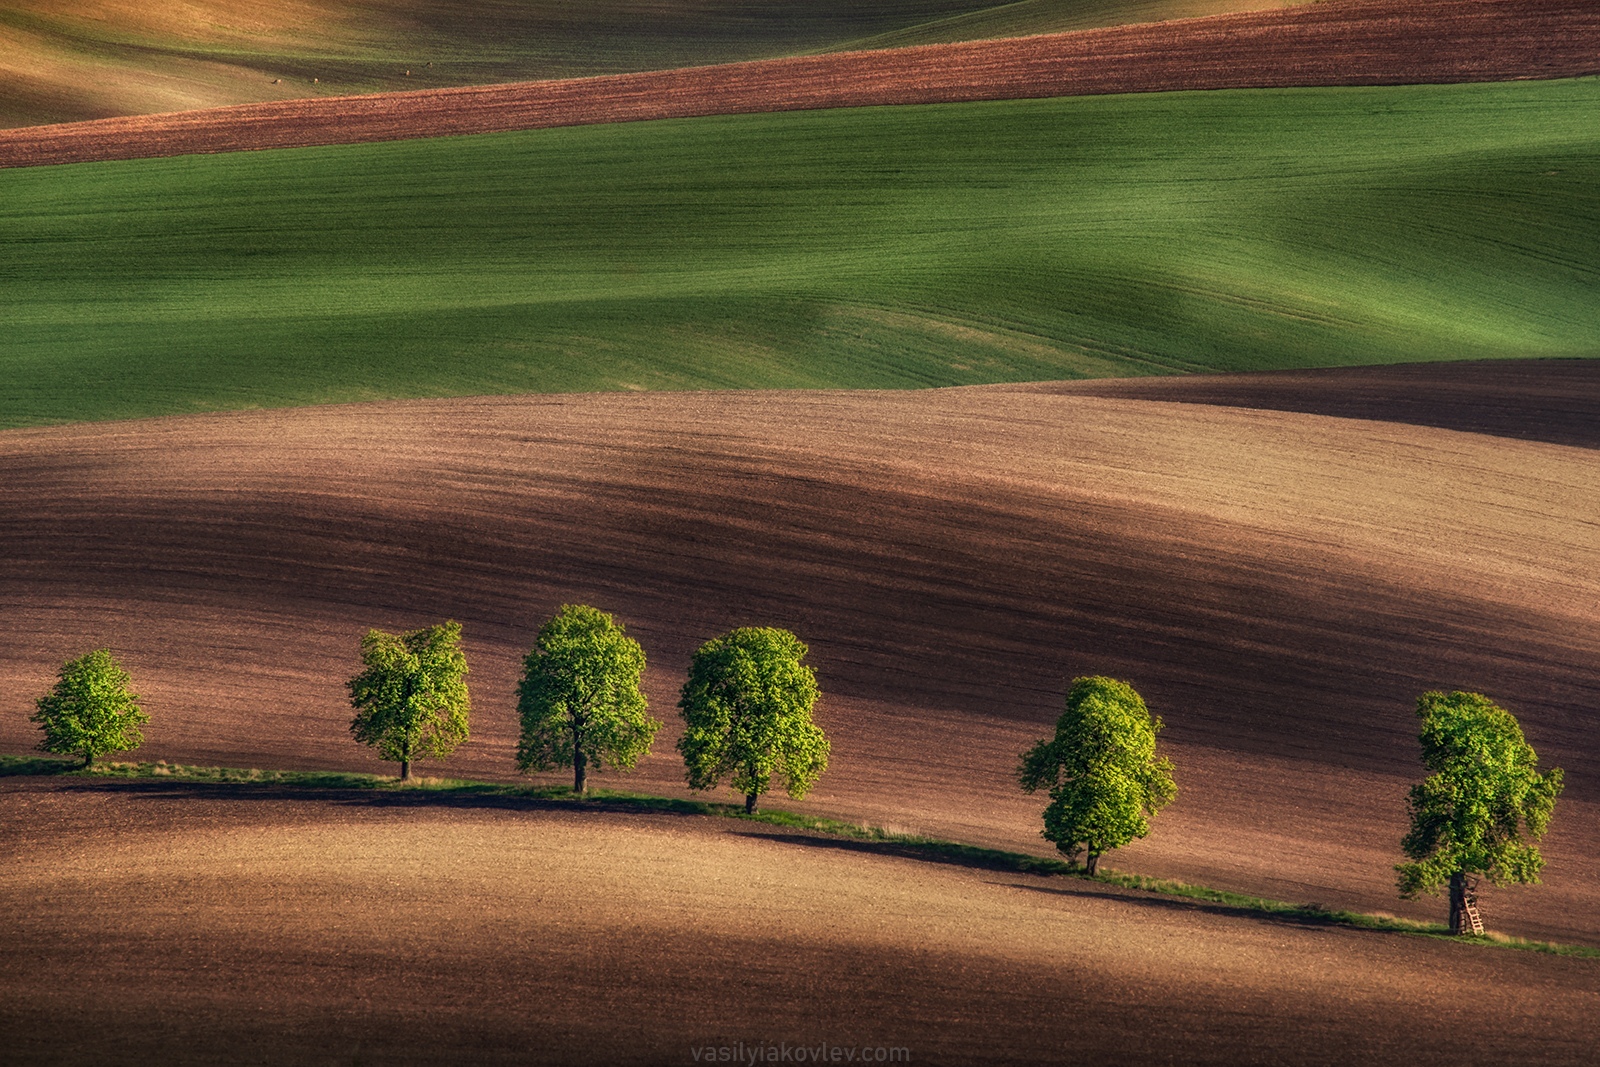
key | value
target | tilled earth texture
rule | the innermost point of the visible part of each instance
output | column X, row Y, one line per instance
column 1340, row 42
column 152, row 924
column 1280, row 584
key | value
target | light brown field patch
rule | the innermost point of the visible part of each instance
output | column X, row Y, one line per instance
column 154, row 922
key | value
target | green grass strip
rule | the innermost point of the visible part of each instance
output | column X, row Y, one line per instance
column 914, row 845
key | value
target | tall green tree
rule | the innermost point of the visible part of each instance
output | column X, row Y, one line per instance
column 1105, row 778
column 579, row 698
column 747, row 709
column 1484, row 807
column 90, row 712
column 411, row 702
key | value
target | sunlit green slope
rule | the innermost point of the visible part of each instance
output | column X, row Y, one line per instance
column 890, row 247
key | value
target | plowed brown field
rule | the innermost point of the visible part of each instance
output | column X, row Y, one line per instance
column 156, row 925
column 1359, row 42
column 1279, row 585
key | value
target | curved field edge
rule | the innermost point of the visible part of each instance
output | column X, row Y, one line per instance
column 876, row 248
column 88, row 60
column 329, row 784
column 1360, row 42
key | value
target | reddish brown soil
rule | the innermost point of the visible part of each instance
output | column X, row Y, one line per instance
column 1279, row 585
column 155, row 924
column 1357, row 42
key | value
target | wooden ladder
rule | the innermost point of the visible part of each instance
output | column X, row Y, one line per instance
column 1473, row 917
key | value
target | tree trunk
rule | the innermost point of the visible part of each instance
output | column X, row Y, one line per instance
column 750, row 803
column 580, row 759
column 1092, row 864
column 405, row 770
column 88, row 760
column 1458, row 904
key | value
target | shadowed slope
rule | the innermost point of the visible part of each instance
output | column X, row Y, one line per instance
column 1279, row 586
column 1554, row 401
column 1022, row 18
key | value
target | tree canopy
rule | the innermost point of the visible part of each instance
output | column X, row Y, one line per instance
column 90, row 711
column 411, row 702
column 579, row 697
column 747, row 709
column 1483, row 808
column 1101, row 768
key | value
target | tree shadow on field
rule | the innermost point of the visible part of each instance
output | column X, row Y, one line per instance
column 943, row 852
column 1078, row 887
column 1308, row 917
column 36, row 766
column 487, row 798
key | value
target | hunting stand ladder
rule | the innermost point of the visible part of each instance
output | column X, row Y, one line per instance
column 1470, row 906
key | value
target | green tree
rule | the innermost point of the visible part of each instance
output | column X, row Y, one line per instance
column 90, row 711
column 411, row 702
column 747, row 714
column 1101, row 768
column 1483, row 807
column 579, row 697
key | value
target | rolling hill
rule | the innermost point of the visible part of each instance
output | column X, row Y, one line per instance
column 62, row 60
column 418, row 932
column 1280, row 562
column 889, row 247
column 1279, row 585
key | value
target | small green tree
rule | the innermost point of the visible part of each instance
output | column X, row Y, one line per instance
column 1105, row 779
column 1483, row 807
column 90, row 711
column 579, row 697
column 411, row 702
column 747, row 714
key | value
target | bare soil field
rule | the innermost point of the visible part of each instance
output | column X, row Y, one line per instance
column 1353, row 42
column 152, row 923
column 1279, row 585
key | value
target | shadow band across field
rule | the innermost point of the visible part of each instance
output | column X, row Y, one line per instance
column 1555, row 400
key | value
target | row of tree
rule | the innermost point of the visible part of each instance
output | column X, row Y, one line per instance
column 747, row 705
column 1481, row 812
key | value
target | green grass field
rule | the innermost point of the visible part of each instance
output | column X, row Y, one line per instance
column 74, row 59
column 892, row 247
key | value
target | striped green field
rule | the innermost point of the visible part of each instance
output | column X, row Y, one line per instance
column 76, row 59
column 892, row 247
